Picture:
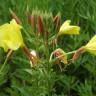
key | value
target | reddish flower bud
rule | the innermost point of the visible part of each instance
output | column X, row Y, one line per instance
column 15, row 17
column 31, row 19
column 28, row 16
column 40, row 25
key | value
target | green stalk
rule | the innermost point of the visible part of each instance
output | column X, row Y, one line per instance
column 5, row 62
column 3, row 66
column 48, row 65
column 71, row 52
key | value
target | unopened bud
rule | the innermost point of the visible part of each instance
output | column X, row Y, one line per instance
column 31, row 19
column 40, row 25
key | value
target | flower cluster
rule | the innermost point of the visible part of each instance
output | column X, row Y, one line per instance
column 11, row 38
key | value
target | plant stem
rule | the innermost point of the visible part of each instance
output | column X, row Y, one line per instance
column 9, row 53
column 3, row 65
column 71, row 52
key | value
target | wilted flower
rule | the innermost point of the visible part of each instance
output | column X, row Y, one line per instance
column 60, row 54
column 66, row 28
column 91, row 46
column 10, row 36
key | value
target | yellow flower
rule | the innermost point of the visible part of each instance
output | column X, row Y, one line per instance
column 10, row 36
column 66, row 28
column 60, row 54
column 91, row 46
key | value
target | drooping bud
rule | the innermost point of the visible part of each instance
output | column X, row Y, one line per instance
column 29, row 55
column 15, row 16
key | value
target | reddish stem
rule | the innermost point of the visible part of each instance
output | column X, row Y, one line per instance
column 78, row 53
column 29, row 55
column 15, row 17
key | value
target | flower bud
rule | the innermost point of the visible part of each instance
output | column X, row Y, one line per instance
column 66, row 28
column 40, row 25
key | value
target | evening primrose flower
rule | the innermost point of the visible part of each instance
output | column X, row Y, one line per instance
column 66, row 28
column 10, row 36
column 91, row 46
column 60, row 54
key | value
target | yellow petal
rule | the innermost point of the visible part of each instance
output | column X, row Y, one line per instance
column 91, row 46
column 61, row 55
column 66, row 23
column 3, row 45
column 15, row 25
column 10, row 36
column 12, row 46
column 66, row 28
column 93, row 40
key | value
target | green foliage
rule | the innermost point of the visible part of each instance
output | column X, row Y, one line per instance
column 78, row 79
